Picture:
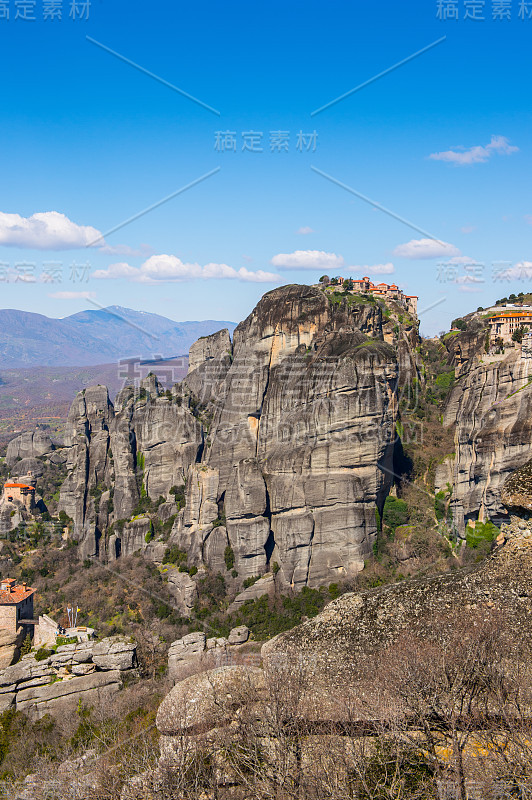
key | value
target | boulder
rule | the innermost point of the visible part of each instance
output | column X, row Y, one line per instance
column 209, row 700
column 9, row 645
column 183, row 589
column 185, row 654
column 264, row 585
column 238, row 635
column 114, row 653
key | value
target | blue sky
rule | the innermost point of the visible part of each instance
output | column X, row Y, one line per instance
column 87, row 136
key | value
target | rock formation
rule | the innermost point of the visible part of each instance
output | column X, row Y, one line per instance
column 490, row 408
column 284, row 438
column 141, row 448
column 194, row 652
column 30, row 444
column 86, row 671
column 300, row 443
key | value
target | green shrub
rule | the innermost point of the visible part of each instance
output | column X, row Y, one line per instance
column 229, row 557
column 173, row 555
column 483, row 534
column 395, row 512
column 250, row 581
column 43, row 653
column 65, row 640
column 26, row 646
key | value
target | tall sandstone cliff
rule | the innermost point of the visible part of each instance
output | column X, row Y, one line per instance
column 284, row 438
column 490, row 409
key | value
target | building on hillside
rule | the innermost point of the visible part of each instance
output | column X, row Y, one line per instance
column 381, row 290
column 503, row 325
column 21, row 493
column 16, row 606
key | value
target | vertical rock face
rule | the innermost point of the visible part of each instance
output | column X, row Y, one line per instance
column 30, row 444
column 143, row 448
column 491, row 409
column 299, row 449
column 209, row 348
column 284, row 439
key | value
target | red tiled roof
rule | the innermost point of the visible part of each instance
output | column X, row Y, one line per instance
column 16, row 595
column 512, row 315
column 18, row 486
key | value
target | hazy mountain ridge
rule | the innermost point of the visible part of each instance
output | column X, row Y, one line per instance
column 95, row 337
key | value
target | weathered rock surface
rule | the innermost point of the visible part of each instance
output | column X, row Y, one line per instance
column 300, row 445
column 517, row 491
column 185, row 653
column 238, row 635
column 114, row 654
column 190, row 653
column 30, row 444
column 265, row 585
column 147, row 445
column 209, row 348
column 284, row 438
column 491, row 410
column 9, row 645
column 63, row 695
column 202, row 702
column 335, row 646
column 31, row 684
column 183, row 589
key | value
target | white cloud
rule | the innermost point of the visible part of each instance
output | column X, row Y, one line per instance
column 426, row 248
column 305, row 229
column 73, row 295
column 375, row 269
column 477, row 154
column 48, row 230
column 163, row 268
column 520, row 271
column 467, row 228
column 307, row 259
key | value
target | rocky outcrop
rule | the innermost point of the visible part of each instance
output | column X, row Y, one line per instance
column 285, row 441
column 194, row 651
column 116, row 457
column 300, row 444
column 265, row 585
column 339, row 645
column 84, row 671
column 517, row 491
column 30, row 444
column 209, row 348
column 9, row 646
column 183, row 589
column 491, row 411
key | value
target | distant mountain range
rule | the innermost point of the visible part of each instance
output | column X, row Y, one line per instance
column 95, row 337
